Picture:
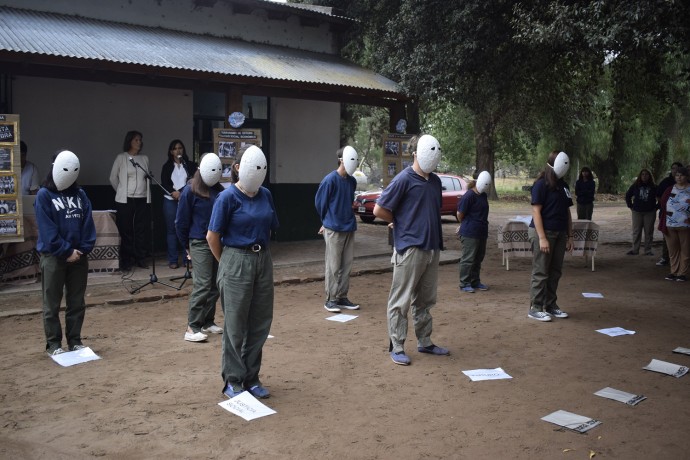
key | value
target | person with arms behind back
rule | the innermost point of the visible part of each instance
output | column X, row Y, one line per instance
column 412, row 204
column 473, row 215
column 641, row 199
column 66, row 235
column 585, row 188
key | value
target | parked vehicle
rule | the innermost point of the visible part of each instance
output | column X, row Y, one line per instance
column 453, row 188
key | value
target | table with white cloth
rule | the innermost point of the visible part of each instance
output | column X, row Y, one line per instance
column 513, row 240
column 20, row 261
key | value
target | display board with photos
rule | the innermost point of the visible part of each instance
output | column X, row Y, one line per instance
column 10, row 175
column 228, row 142
column 396, row 155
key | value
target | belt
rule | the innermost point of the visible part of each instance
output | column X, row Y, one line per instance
column 256, row 247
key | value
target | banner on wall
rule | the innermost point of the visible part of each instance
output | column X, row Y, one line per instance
column 11, row 221
column 396, row 155
column 228, row 143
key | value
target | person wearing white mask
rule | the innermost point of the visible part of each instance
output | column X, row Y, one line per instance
column 551, row 234
column 333, row 203
column 193, row 215
column 473, row 215
column 66, row 235
column 239, row 232
column 412, row 204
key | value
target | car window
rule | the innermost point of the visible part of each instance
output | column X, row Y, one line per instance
column 447, row 183
column 457, row 184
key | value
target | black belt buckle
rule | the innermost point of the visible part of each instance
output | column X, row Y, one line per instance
column 256, row 247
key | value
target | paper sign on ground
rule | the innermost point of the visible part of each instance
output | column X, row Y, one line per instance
column 71, row 358
column 341, row 318
column 685, row 351
column 593, row 295
column 270, row 336
column 571, row 421
column 615, row 331
column 666, row 368
column 246, row 406
column 477, row 375
column 618, row 395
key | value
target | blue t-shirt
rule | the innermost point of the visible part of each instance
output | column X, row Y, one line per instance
column 555, row 205
column 243, row 221
column 64, row 222
column 416, row 206
column 584, row 189
column 475, row 208
column 333, row 202
column 193, row 215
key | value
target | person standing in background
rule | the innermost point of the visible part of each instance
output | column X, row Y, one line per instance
column 66, row 235
column 665, row 183
column 675, row 204
column 551, row 234
column 585, row 188
column 174, row 175
column 473, row 215
column 641, row 199
column 333, row 202
column 132, row 202
column 193, row 215
column 30, row 176
column 412, row 204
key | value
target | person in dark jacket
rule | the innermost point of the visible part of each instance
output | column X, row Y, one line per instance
column 66, row 235
column 668, row 181
column 193, row 215
column 585, row 187
column 174, row 176
column 641, row 199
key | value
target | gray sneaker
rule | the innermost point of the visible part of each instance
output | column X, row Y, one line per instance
column 662, row 262
column 538, row 315
column 55, row 351
column 556, row 312
column 346, row 304
column 332, row 306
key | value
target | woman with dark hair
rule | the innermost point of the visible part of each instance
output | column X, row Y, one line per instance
column 551, row 234
column 193, row 215
column 239, row 232
column 132, row 202
column 473, row 215
column 66, row 235
column 176, row 171
column 641, row 199
column 585, row 188
column 675, row 207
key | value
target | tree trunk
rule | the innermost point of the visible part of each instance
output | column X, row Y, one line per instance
column 485, row 142
column 607, row 170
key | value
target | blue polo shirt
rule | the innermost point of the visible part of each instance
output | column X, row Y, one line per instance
column 242, row 220
column 475, row 208
column 193, row 215
column 555, row 204
column 333, row 202
column 416, row 206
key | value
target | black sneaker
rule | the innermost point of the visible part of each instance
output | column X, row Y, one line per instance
column 54, row 351
column 670, row 277
column 662, row 262
column 681, row 278
column 332, row 306
column 76, row 347
column 346, row 304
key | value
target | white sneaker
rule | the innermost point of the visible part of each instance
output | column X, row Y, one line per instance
column 195, row 336
column 213, row 329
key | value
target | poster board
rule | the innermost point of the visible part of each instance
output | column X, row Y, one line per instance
column 396, row 155
column 227, row 143
column 11, row 221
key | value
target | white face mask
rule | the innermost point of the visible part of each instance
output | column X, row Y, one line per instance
column 561, row 164
column 210, row 169
column 252, row 169
column 483, row 182
column 350, row 160
column 428, row 153
column 65, row 169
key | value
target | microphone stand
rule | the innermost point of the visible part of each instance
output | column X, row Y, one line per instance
column 187, row 274
column 152, row 277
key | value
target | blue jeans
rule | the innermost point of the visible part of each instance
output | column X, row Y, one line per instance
column 174, row 247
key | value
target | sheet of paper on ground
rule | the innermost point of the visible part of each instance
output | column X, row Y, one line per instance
column 666, row 368
column 341, row 318
column 486, row 374
column 571, row 421
column 618, row 395
column 685, row 351
column 246, row 406
column 71, row 358
column 593, row 295
column 615, row 331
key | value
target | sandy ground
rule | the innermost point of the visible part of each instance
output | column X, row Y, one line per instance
column 338, row 395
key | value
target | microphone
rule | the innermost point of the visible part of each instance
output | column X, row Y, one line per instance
column 134, row 163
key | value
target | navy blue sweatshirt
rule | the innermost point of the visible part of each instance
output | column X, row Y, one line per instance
column 64, row 222
column 641, row 198
column 193, row 215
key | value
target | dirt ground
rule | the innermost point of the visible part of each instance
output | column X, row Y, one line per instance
column 338, row 395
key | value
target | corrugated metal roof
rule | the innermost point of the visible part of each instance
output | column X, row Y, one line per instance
column 33, row 32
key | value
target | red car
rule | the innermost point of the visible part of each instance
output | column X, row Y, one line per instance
column 453, row 188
